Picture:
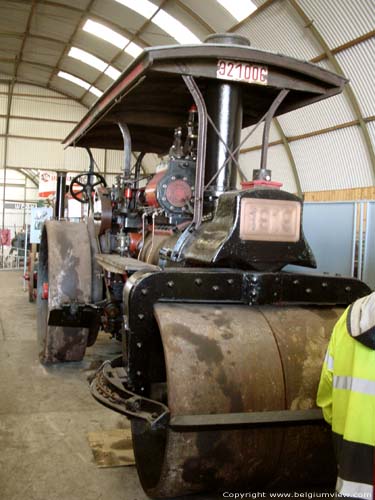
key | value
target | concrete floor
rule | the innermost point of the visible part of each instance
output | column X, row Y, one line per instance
column 46, row 413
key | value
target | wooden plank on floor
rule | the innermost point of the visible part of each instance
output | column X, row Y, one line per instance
column 112, row 448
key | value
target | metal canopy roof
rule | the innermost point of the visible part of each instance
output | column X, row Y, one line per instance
column 152, row 99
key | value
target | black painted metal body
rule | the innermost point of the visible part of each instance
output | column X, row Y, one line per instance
column 60, row 195
column 220, row 286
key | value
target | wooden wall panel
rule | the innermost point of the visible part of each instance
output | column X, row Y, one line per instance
column 365, row 193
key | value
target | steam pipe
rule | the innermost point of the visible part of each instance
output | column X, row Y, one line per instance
column 127, row 148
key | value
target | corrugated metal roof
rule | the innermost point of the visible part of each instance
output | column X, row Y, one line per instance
column 318, row 116
column 212, row 13
column 42, row 107
column 77, row 158
column 279, row 29
column 358, row 65
column 256, row 137
column 336, row 160
column 339, row 21
column 2, row 125
column 3, row 104
column 36, row 128
column 278, row 162
column 371, row 129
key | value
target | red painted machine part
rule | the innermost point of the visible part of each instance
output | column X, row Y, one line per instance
column 45, row 291
column 178, row 193
column 150, row 191
column 135, row 239
column 253, row 184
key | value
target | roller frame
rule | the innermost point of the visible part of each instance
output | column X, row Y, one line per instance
column 220, row 286
column 110, row 389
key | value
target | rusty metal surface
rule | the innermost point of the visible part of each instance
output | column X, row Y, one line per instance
column 65, row 264
column 152, row 245
column 238, row 359
column 102, row 210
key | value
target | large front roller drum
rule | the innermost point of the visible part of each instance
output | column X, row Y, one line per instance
column 229, row 359
column 65, row 271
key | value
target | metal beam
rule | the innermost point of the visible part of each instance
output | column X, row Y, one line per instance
column 5, row 156
column 17, row 61
column 260, row 9
column 314, row 133
column 33, row 118
column 51, row 87
column 47, row 169
column 345, row 46
column 195, row 16
column 29, row 138
column 26, row 174
column 68, row 45
column 348, row 91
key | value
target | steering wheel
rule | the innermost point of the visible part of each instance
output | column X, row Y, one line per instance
column 82, row 185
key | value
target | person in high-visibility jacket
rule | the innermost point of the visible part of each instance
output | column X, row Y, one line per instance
column 346, row 395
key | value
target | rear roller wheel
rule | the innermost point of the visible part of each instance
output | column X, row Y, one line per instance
column 234, row 359
column 64, row 276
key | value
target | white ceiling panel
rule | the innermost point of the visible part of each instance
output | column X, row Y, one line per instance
column 279, row 29
column 41, row 107
column 77, row 159
column 3, row 103
column 80, row 69
column 35, row 153
column 114, row 12
column 358, row 64
column 42, row 51
column 6, row 69
column 101, row 48
column 277, row 161
column 88, row 100
column 350, row 18
column 3, row 123
column 185, row 16
column 123, row 61
column 22, row 88
column 68, row 88
column 77, row 4
column 212, row 13
column 10, row 45
column 256, row 137
column 155, row 36
column 336, row 160
column 52, row 22
column 317, row 116
column 115, row 161
column 371, row 129
column 13, row 16
column 36, row 128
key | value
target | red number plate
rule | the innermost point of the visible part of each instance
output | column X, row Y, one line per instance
column 242, row 72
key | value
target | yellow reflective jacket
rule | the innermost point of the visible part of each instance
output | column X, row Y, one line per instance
column 346, row 395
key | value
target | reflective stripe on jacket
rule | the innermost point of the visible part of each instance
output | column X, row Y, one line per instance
column 346, row 395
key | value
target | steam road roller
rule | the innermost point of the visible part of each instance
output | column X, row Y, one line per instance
column 222, row 348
